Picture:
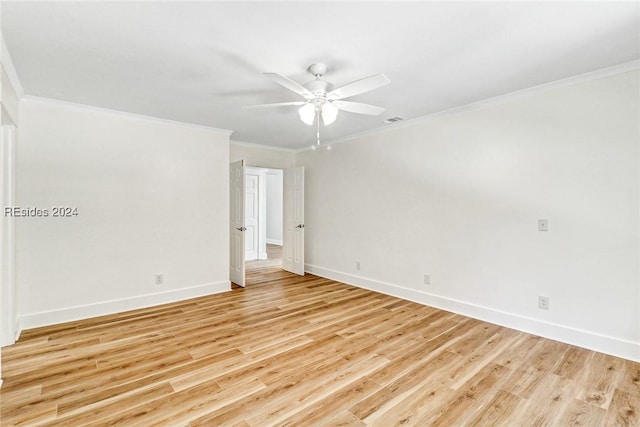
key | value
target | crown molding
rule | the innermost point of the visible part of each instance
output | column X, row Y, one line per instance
column 490, row 102
column 73, row 105
column 7, row 64
column 261, row 146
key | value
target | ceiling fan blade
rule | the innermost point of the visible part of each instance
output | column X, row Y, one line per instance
column 358, row 107
column 290, row 84
column 359, row 86
column 277, row 104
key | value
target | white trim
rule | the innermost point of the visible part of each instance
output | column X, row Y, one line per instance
column 51, row 101
column 69, row 314
column 567, row 334
column 488, row 102
column 12, row 75
column 262, row 146
column 8, row 148
column 274, row 241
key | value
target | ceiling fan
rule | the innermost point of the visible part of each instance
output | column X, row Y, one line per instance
column 320, row 99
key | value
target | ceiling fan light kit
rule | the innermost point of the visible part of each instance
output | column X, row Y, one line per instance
column 307, row 113
column 322, row 100
column 329, row 113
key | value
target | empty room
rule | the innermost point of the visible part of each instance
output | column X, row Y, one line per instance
column 320, row 213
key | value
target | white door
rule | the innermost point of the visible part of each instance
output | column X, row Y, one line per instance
column 255, row 212
column 236, row 221
column 293, row 245
column 251, row 216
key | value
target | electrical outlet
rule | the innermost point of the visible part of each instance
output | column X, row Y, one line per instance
column 427, row 279
column 543, row 302
column 543, row 225
column 159, row 279
column 357, row 265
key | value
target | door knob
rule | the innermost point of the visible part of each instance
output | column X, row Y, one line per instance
column 300, row 226
column 241, row 228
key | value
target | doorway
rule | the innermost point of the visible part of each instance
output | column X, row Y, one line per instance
column 263, row 218
column 285, row 249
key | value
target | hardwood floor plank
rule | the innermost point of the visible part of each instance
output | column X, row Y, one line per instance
column 401, row 383
column 498, row 411
column 602, row 377
column 281, row 389
column 480, row 357
column 630, row 378
column 624, row 409
column 30, row 414
column 578, row 413
column 322, row 412
column 342, row 375
column 553, row 396
column 341, row 419
column 470, row 399
column 572, row 363
column 97, row 412
column 296, row 351
column 180, row 407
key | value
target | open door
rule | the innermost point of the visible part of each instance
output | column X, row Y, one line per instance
column 236, row 221
column 255, row 213
column 293, row 239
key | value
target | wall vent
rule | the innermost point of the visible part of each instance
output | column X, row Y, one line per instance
column 394, row 119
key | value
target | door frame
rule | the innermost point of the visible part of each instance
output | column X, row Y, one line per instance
column 299, row 173
column 8, row 309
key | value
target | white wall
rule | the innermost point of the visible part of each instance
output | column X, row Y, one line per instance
column 274, row 206
column 255, row 155
column 9, row 100
column 10, row 93
column 152, row 197
column 458, row 197
column 10, row 88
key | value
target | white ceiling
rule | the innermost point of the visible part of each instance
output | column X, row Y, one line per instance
column 200, row 62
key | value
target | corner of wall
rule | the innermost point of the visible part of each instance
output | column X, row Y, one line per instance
column 7, row 64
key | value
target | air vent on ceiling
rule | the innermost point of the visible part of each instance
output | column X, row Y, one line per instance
column 394, row 119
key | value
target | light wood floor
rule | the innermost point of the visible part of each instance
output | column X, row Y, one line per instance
column 256, row 267
column 303, row 351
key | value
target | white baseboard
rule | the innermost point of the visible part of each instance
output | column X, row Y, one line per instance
column 574, row 336
column 69, row 314
column 274, row 242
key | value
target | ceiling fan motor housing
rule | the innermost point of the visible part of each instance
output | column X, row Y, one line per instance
column 317, row 69
column 319, row 87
